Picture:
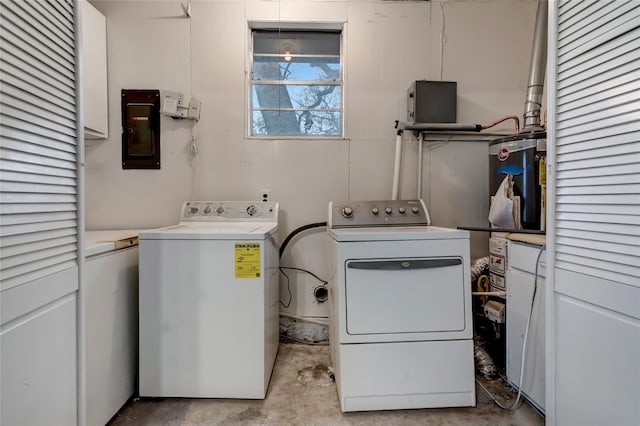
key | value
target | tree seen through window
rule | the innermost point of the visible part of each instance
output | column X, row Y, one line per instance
column 297, row 83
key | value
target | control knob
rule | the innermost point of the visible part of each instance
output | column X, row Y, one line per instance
column 401, row 210
column 347, row 212
column 375, row 210
column 415, row 210
column 207, row 210
column 219, row 209
column 193, row 210
column 388, row 210
column 252, row 210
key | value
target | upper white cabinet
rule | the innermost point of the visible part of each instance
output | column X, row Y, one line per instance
column 94, row 71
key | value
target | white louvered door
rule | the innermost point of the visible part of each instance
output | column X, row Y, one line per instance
column 38, row 152
column 594, row 212
column 39, row 205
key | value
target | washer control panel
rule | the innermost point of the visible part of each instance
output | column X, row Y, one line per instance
column 364, row 214
column 232, row 211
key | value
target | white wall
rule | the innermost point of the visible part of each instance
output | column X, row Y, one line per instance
column 486, row 50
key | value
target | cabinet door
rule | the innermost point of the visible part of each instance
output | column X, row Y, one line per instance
column 38, row 353
column 94, row 71
column 111, row 329
column 519, row 292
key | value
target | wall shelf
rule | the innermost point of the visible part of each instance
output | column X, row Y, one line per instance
column 459, row 136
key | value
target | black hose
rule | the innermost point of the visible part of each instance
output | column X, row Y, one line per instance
column 297, row 231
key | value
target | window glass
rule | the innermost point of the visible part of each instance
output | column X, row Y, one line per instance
column 296, row 84
column 314, row 43
column 302, row 97
column 296, row 69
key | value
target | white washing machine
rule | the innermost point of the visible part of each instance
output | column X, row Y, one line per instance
column 209, row 302
column 401, row 333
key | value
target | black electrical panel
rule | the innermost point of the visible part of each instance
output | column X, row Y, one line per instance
column 140, row 129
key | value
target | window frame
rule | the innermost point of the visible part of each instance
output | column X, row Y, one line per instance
column 338, row 27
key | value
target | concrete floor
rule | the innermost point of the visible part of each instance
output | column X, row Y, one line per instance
column 301, row 392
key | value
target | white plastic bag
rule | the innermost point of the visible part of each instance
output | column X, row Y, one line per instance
column 501, row 210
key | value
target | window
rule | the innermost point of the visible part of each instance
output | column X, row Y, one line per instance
column 296, row 83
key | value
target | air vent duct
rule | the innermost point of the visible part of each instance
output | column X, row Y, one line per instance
column 533, row 101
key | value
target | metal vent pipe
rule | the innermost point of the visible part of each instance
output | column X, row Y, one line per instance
column 533, row 102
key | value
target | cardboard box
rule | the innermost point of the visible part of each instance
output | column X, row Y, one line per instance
column 497, row 282
column 498, row 255
column 497, row 263
column 498, row 245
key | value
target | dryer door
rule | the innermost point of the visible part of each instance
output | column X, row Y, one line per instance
column 405, row 295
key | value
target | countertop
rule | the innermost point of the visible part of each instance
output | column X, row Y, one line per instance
column 535, row 239
column 98, row 242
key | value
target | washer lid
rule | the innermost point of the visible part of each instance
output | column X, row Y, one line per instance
column 394, row 233
column 212, row 231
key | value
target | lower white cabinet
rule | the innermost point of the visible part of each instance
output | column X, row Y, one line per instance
column 38, row 353
column 111, row 326
column 520, row 278
column 597, row 351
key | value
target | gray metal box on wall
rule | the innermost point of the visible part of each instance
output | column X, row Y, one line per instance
column 432, row 102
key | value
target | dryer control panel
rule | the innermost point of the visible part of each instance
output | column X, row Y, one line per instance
column 231, row 211
column 365, row 214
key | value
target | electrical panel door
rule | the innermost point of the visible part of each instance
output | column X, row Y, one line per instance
column 140, row 129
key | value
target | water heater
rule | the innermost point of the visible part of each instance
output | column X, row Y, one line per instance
column 523, row 157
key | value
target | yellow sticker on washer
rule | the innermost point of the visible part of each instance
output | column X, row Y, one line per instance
column 247, row 260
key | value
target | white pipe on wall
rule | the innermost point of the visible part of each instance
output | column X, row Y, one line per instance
column 396, row 166
column 420, row 145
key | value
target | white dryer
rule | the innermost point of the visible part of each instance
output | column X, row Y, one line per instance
column 401, row 332
column 209, row 302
